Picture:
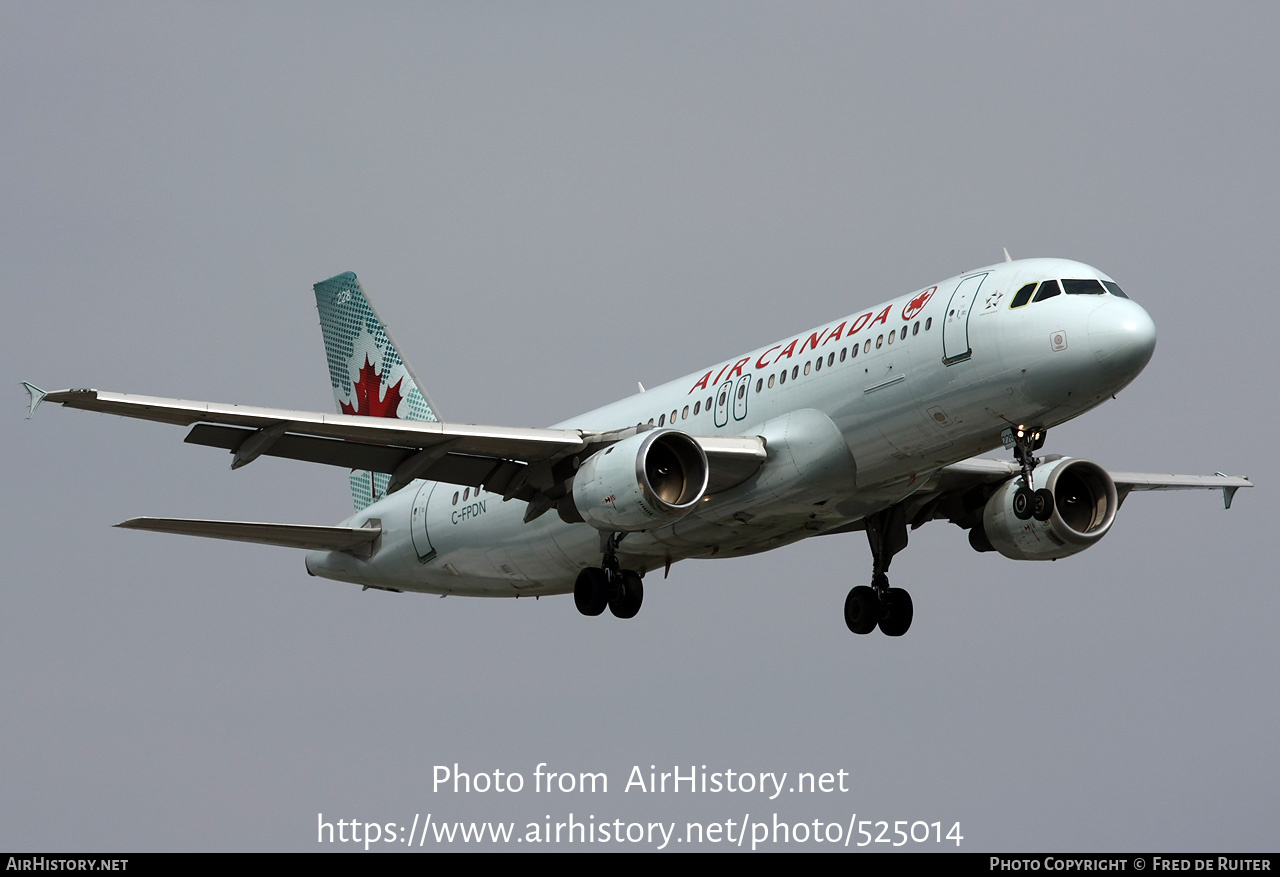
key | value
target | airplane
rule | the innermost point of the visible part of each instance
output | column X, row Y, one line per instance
column 874, row 421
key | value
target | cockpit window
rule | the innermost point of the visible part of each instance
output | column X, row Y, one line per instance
column 1114, row 289
column 1083, row 287
column 1023, row 296
column 1048, row 289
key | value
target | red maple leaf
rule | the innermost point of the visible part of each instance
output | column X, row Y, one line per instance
column 367, row 392
column 916, row 305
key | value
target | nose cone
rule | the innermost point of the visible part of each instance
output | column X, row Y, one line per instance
column 1122, row 337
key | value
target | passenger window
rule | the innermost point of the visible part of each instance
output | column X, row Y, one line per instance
column 817, row 366
column 831, row 359
column 844, row 350
column 697, row 406
column 1048, row 289
column 807, row 367
column 662, row 420
column 879, row 342
column 723, row 396
column 708, row 405
column 1022, row 296
column 651, row 421
column 742, row 392
column 684, row 415
column 795, row 372
column 928, row 324
column 771, row 382
column 782, row 378
column 673, row 415
column 915, row 330
column 455, row 497
column 466, row 493
column 1114, row 289
column 759, row 384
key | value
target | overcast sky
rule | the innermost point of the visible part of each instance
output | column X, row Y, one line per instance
column 549, row 202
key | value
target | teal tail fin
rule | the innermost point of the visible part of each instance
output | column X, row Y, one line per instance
column 369, row 375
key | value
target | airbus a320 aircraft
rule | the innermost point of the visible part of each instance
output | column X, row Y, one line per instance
column 870, row 422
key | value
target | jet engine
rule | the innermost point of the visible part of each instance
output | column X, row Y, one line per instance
column 644, row 481
column 1084, row 505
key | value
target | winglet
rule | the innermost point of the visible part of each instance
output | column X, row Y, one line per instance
column 36, row 396
column 1007, row 257
column 1227, row 493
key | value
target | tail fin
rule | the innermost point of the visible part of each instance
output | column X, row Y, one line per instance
column 368, row 373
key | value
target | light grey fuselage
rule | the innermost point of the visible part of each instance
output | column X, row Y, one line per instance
column 938, row 375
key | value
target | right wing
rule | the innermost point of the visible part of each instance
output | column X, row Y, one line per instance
column 980, row 470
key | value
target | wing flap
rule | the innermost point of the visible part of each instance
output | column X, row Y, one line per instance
column 286, row 535
column 732, row 459
column 460, row 469
column 330, row 452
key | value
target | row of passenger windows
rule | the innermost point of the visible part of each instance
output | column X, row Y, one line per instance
column 1050, row 288
column 780, row 378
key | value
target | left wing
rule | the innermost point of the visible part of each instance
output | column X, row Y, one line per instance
column 517, row 462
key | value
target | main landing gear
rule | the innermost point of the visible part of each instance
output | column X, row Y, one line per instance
column 1027, row 502
column 607, row 585
column 880, row 605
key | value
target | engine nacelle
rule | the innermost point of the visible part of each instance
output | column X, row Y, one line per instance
column 645, row 481
column 1084, row 505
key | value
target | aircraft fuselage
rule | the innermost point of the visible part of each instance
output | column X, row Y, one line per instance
column 855, row 415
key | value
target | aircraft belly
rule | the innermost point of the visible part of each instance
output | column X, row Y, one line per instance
column 792, row 495
column 487, row 542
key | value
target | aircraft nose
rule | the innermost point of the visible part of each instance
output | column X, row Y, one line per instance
column 1123, row 337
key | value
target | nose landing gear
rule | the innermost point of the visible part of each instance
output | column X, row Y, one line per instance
column 1027, row 502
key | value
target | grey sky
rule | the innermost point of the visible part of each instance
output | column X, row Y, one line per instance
column 548, row 203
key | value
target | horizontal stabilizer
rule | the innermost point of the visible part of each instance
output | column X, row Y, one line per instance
column 287, row 535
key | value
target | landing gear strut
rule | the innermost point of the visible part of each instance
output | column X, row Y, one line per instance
column 880, row 605
column 609, row 585
column 1028, row 502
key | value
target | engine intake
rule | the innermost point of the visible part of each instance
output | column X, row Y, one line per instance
column 1084, row 507
column 647, row 480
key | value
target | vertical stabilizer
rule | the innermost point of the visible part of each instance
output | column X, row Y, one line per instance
column 369, row 375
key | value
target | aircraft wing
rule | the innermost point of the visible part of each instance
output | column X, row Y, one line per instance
column 957, row 492
column 517, row 462
column 977, row 470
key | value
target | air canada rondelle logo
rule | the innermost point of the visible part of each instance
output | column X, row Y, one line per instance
column 916, row 305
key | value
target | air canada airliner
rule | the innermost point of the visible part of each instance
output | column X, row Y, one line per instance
column 871, row 422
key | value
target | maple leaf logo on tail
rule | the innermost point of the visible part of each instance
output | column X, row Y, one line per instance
column 368, row 394
column 353, row 334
